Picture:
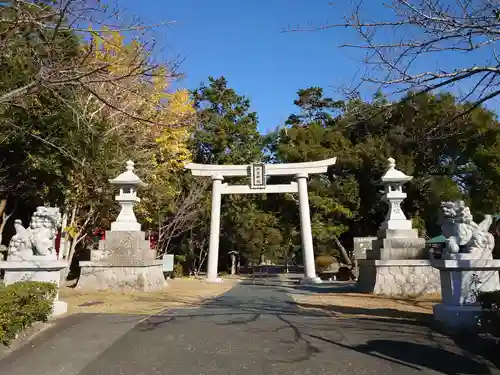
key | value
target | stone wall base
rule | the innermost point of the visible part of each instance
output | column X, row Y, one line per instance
column 120, row 278
column 398, row 277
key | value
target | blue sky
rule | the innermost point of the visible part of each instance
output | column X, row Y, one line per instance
column 242, row 41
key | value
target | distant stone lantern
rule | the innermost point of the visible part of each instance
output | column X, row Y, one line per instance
column 393, row 181
column 233, row 254
column 128, row 182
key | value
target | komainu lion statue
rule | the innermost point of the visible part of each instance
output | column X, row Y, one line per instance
column 37, row 240
column 462, row 234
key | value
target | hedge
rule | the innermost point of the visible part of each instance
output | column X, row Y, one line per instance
column 21, row 305
column 324, row 261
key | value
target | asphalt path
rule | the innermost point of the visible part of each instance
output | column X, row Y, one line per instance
column 252, row 329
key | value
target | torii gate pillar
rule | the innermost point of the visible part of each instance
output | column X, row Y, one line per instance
column 258, row 173
column 213, row 246
column 305, row 231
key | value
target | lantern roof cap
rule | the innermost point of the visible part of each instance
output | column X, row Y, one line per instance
column 393, row 174
column 128, row 177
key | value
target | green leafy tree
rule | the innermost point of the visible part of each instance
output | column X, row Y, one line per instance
column 310, row 137
column 227, row 131
column 347, row 201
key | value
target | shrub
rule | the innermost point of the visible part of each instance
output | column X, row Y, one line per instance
column 489, row 320
column 178, row 270
column 324, row 261
column 22, row 304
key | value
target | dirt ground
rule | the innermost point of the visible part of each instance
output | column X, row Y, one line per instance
column 366, row 305
column 183, row 293
column 191, row 293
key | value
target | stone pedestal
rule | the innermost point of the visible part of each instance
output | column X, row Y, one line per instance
column 121, row 246
column 124, row 261
column 462, row 278
column 37, row 270
column 398, row 248
column 398, row 266
column 397, row 277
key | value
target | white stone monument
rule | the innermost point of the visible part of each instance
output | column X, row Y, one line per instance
column 32, row 256
column 258, row 174
column 398, row 262
column 467, row 266
column 124, row 260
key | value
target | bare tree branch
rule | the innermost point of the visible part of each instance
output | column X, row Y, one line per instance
column 55, row 25
column 399, row 47
column 187, row 215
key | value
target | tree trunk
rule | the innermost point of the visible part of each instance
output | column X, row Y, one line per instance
column 66, row 242
column 201, row 258
column 3, row 205
column 5, row 217
column 65, row 271
column 285, row 260
column 64, row 236
column 343, row 251
column 71, row 253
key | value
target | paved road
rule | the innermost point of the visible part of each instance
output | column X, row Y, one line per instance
column 252, row 329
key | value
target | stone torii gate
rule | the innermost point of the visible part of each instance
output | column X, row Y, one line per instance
column 258, row 174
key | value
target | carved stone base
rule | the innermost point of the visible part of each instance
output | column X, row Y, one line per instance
column 144, row 276
column 462, row 278
column 397, row 277
column 36, row 270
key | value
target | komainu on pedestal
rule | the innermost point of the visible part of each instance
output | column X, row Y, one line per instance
column 467, row 266
column 31, row 252
column 462, row 234
column 38, row 239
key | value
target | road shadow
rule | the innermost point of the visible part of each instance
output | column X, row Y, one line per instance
column 473, row 343
column 405, row 338
column 418, row 356
column 326, row 287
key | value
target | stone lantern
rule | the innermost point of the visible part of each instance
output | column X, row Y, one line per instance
column 124, row 260
column 395, row 219
column 128, row 182
column 234, row 255
column 398, row 262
